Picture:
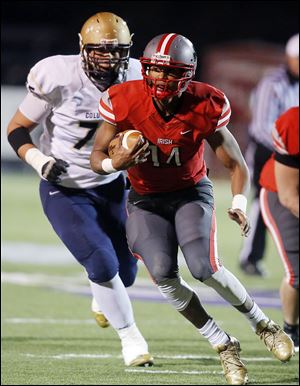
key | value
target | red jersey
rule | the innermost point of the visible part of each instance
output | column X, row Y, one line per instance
column 177, row 146
column 286, row 144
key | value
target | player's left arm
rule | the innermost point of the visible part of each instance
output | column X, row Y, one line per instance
column 287, row 182
column 228, row 152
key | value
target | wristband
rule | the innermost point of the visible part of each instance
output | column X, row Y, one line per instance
column 106, row 165
column 239, row 201
column 37, row 159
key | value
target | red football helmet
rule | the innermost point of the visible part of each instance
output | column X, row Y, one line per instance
column 172, row 54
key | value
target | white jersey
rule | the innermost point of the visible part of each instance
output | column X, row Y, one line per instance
column 68, row 111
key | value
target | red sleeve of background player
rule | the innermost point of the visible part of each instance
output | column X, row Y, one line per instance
column 286, row 133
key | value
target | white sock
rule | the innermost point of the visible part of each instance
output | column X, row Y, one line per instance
column 133, row 343
column 95, row 306
column 132, row 333
column 114, row 302
column 213, row 333
column 255, row 315
column 227, row 286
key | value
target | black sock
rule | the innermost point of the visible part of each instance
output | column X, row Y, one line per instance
column 290, row 328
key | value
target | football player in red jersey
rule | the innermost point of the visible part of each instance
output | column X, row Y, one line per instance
column 279, row 198
column 171, row 200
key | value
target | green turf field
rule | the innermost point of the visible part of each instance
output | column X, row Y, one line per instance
column 49, row 337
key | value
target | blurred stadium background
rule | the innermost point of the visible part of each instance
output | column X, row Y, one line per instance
column 48, row 336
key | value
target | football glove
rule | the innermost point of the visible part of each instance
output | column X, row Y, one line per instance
column 240, row 217
column 52, row 170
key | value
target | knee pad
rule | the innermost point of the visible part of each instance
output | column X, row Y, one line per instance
column 227, row 286
column 196, row 254
column 100, row 268
column 177, row 292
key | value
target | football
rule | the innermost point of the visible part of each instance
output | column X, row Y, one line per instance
column 130, row 138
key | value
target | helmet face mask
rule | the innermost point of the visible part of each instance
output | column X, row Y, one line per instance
column 176, row 77
column 105, row 43
column 105, row 64
column 168, row 65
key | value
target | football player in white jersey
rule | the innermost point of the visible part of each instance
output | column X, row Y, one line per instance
column 86, row 210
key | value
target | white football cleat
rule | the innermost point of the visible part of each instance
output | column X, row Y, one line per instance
column 134, row 347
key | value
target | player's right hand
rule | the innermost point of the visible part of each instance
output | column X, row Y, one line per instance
column 240, row 217
column 125, row 158
column 52, row 170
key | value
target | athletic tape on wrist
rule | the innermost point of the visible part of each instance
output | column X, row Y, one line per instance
column 37, row 159
column 239, row 201
column 106, row 165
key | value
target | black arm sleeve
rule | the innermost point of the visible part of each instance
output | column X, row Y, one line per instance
column 18, row 138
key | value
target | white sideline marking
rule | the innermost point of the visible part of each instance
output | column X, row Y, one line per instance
column 192, row 372
column 142, row 289
column 187, row 356
column 77, row 285
column 48, row 321
column 46, row 254
column 32, row 253
column 32, row 279
column 174, row 357
column 81, row 321
column 73, row 356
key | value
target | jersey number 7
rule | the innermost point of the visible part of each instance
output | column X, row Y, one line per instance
column 92, row 127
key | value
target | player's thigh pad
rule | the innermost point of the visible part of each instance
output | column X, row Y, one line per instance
column 112, row 212
column 153, row 239
column 196, row 232
column 76, row 223
column 127, row 262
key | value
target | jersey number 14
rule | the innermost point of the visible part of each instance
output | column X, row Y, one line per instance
column 173, row 158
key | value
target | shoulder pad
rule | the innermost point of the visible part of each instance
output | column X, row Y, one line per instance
column 134, row 70
column 48, row 75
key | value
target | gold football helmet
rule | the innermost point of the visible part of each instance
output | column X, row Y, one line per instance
column 105, row 43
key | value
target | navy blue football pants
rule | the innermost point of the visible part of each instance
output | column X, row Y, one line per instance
column 91, row 223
